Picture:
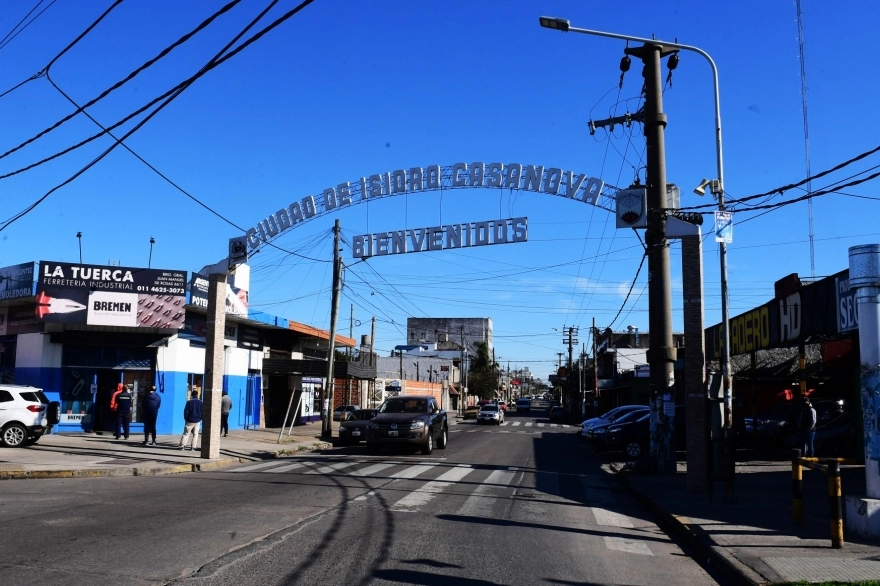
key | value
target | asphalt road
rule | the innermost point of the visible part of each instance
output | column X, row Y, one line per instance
column 512, row 504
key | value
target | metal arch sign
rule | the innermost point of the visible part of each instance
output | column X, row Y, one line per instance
column 514, row 176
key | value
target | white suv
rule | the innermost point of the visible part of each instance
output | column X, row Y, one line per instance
column 25, row 415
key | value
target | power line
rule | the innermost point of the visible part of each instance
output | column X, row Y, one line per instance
column 10, row 36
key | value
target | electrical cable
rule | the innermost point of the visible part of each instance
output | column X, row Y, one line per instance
column 8, row 39
column 628, row 293
column 204, row 24
column 207, row 68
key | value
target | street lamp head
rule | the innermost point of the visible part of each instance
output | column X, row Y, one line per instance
column 560, row 24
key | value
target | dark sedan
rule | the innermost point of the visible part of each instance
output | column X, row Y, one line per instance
column 596, row 434
column 557, row 414
column 633, row 437
column 354, row 428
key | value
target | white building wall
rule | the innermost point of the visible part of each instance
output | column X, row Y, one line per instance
column 35, row 351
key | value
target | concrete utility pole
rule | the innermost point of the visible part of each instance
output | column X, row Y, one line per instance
column 327, row 428
column 213, row 380
column 661, row 354
column 863, row 513
column 595, row 371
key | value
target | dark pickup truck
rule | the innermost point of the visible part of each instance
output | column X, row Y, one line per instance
column 414, row 420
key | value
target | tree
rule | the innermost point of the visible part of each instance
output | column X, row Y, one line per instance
column 482, row 376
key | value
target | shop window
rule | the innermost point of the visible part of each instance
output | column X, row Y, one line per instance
column 76, row 394
column 137, row 382
column 194, row 383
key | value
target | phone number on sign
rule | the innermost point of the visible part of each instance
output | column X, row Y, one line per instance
column 168, row 290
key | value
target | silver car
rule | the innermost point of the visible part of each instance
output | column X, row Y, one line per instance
column 490, row 414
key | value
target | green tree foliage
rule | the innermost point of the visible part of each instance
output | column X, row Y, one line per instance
column 482, row 376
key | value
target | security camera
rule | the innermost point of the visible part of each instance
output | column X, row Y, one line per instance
column 701, row 188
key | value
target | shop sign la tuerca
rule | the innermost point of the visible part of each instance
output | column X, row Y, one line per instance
column 536, row 178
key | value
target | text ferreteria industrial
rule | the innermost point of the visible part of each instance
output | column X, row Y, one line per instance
column 451, row 236
column 536, row 178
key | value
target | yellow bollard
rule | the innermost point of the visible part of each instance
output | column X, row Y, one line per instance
column 835, row 505
column 797, row 488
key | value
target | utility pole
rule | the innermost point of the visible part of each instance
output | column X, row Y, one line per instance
column 348, row 378
column 327, row 428
column 661, row 354
column 595, row 370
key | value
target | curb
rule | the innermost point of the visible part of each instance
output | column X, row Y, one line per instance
column 715, row 554
column 154, row 470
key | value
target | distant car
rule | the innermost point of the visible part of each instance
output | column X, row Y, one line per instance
column 25, row 415
column 337, row 413
column 354, row 428
column 490, row 414
column 409, row 420
column 839, row 437
column 524, row 404
column 776, row 427
column 471, row 411
column 557, row 414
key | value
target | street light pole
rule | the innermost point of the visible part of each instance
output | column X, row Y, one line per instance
column 717, row 188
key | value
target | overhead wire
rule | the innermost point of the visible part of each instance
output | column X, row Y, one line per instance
column 17, row 31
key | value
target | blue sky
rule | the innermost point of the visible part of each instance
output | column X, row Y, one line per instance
column 344, row 90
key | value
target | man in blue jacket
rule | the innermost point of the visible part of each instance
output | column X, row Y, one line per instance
column 150, row 409
column 123, row 412
column 192, row 416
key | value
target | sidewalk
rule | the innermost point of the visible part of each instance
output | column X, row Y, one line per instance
column 753, row 534
column 82, row 455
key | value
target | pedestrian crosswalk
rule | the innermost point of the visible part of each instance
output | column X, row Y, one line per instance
column 470, row 491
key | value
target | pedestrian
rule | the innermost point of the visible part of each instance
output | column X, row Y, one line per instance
column 122, row 400
column 192, row 416
column 225, row 408
column 150, row 408
column 119, row 389
column 806, row 424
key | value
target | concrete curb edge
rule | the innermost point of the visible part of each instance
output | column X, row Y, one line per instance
column 161, row 470
column 716, row 554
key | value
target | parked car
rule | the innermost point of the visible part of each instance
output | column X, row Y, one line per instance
column 776, row 427
column 25, row 415
column 839, row 437
column 337, row 413
column 490, row 414
column 524, row 404
column 596, row 434
column 409, row 420
column 632, row 437
column 354, row 428
column 557, row 414
column 471, row 411
column 608, row 417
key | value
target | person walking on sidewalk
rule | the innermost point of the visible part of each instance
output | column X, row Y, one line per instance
column 122, row 399
column 150, row 408
column 192, row 416
column 806, row 425
column 225, row 408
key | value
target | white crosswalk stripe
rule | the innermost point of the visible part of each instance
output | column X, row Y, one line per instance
column 627, row 545
column 333, row 467
column 286, row 468
column 505, row 423
column 412, row 471
column 515, row 423
column 529, row 424
column 419, row 498
column 480, row 503
column 372, row 469
column 611, row 519
column 256, row 466
column 540, row 425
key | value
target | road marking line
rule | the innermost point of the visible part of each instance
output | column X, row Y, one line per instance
column 540, row 425
column 372, row 469
column 515, row 423
column 505, row 423
column 412, row 471
column 479, row 504
column 529, row 424
column 333, row 467
column 473, row 430
column 286, row 468
column 627, row 545
column 423, row 495
column 611, row 519
column 256, row 466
